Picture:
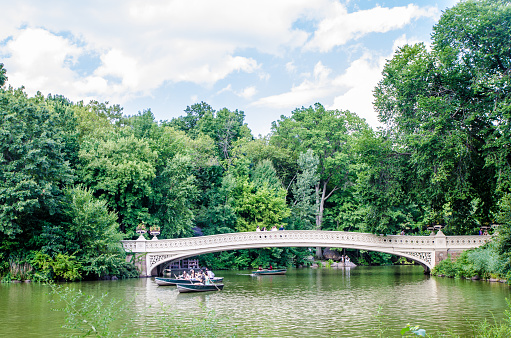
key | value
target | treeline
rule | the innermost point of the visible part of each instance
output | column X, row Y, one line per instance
column 76, row 177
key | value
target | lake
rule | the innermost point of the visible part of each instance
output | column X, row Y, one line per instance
column 356, row 302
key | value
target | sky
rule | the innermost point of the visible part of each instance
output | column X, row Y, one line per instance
column 265, row 58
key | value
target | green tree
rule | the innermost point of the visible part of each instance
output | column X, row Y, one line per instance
column 447, row 109
column 175, row 197
column 3, row 77
column 220, row 216
column 305, row 207
column 121, row 171
column 260, row 149
column 33, row 162
column 224, row 126
column 262, row 207
column 90, row 232
column 189, row 122
column 265, row 175
column 330, row 134
column 384, row 190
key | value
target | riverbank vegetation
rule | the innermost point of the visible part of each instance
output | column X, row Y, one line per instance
column 78, row 177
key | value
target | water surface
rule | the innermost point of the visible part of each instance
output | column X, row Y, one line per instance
column 304, row 302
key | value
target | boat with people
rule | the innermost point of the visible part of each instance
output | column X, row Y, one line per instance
column 269, row 272
column 199, row 287
column 165, row 281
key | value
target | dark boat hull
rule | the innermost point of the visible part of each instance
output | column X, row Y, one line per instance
column 269, row 272
column 199, row 287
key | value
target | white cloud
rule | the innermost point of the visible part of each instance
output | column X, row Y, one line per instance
column 245, row 93
column 37, row 57
column 339, row 26
column 137, row 46
column 227, row 88
column 290, row 67
column 360, row 78
column 248, row 92
column 352, row 90
column 310, row 91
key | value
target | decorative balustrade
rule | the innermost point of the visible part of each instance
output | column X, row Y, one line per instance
column 302, row 236
column 420, row 248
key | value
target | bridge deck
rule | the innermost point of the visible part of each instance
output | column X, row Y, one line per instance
column 426, row 250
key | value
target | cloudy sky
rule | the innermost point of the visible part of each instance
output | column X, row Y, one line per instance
column 263, row 57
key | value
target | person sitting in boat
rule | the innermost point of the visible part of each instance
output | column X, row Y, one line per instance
column 270, row 268
column 260, row 268
column 209, row 273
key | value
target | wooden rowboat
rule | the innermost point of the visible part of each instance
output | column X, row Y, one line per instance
column 199, row 287
column 164, row 281
column 269, row 272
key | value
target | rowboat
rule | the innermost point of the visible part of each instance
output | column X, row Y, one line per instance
column 164, row 281
column 199, row 287
column 269, row 272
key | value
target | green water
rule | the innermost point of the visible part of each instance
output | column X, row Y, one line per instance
column 302, row 303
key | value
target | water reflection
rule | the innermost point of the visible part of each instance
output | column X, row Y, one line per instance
column 306, row 302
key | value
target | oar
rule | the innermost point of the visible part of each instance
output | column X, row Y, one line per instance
column 213, row 283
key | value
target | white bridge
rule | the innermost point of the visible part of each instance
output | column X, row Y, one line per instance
column 425, row 250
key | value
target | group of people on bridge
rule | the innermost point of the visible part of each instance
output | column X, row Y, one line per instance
column 273, row 228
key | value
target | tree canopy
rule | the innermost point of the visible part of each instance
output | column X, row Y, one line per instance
column 75, row 178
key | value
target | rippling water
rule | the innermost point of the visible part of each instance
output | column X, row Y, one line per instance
column 305, row 302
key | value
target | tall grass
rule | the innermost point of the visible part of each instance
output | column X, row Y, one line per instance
column 18, row 271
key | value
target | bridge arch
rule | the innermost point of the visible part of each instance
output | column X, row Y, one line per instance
column 426, row 250
column 170, row 258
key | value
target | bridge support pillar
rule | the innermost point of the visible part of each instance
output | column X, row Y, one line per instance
column 140, row 262
column 441, row 250
column 139, row 257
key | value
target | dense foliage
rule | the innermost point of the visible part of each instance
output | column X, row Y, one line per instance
column 76, row 178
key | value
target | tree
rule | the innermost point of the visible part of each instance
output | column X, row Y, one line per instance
column 120, row 170
column 330, row 134
column 92, row 229
column 385, row 190
column 304, row 208
column 174, row 197
column 34, row 167
column 3, row 77
column 260, row 207
column 264, row 175
column 472, row 41
column 446, row 108
column 194, row 114
column 223, row 126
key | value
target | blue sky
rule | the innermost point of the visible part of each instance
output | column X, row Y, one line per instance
column 263, row 57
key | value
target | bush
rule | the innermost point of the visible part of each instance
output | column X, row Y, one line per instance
column 445, row 267
column 483, row 262
column 60, row 267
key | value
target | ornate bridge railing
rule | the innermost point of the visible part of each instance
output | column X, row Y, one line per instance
column 426, row 250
